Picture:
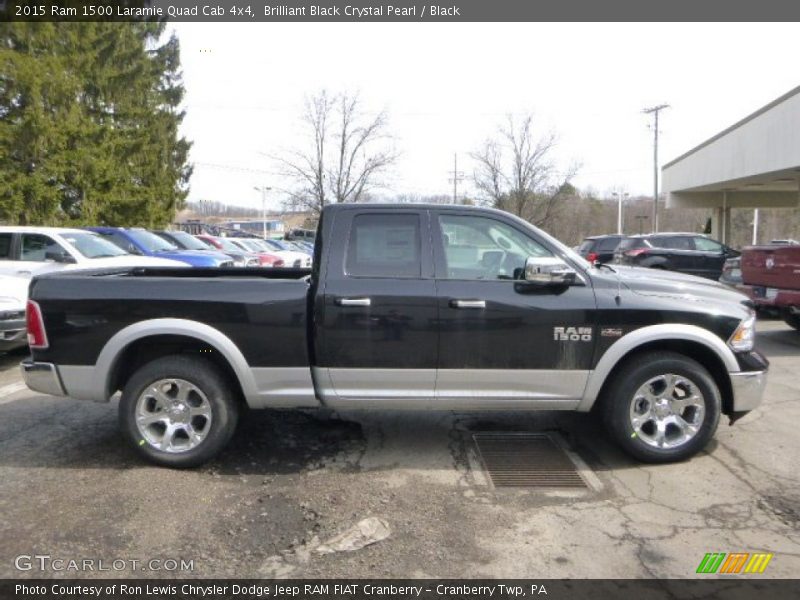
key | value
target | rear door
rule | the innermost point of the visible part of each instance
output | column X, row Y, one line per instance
column 377, row 313
column 680, row 252
column 502, row 343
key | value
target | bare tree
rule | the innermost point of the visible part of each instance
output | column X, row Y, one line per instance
column 516, row 172
column 349, row 151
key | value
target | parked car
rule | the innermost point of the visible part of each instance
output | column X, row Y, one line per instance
column 28, row 251
column 145, row 243
column 410, row 306
column 186, row 241
column 771, row 278
column 13, row 296
column 262, row 258
column 690, row 253
column 293, row 258
column 600, row 248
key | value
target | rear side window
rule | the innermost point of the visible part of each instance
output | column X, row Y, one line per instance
column 706, row 245
column 384, row 245
column 631, row 244
column 5, row 246
column 608, row 244
column 678, row 242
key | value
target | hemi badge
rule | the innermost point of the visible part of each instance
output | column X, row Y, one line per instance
column 611, row 332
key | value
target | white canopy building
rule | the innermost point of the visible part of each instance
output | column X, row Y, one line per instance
column 755, row 163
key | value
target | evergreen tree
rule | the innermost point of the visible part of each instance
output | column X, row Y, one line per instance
column 89, row 118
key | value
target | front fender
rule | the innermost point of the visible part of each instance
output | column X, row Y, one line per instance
column 662, row 332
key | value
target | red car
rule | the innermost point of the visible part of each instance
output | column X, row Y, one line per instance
column 265, row 259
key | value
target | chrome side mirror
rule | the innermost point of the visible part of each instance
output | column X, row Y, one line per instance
column 548, row 270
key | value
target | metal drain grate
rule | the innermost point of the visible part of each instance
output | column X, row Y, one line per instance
column 526, row 460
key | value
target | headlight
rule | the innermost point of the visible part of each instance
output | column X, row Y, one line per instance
column 743, row 338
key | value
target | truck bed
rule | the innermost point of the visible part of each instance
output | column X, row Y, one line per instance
column 263, row 311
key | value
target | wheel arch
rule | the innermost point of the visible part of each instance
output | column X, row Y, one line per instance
column 122, row 354
column 691, row 341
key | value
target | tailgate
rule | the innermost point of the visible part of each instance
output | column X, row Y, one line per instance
column 772, row 266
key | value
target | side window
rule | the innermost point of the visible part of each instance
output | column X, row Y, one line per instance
column 118, row 240
column 484, row 248
column 5, row 246
column 608, row 244
column 384, row 245
column 36, row 247
column 680, row 242
column 706, row 245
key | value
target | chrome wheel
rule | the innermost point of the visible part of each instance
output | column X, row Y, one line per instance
column 667, row 411
column 173, row 415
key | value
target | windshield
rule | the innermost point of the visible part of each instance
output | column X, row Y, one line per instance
column 227, row 245
column 275, row 245
column 150, row 241
column 91, row 245
column 187, row 241
column 252, row 245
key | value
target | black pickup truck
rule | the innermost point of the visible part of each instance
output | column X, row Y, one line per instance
column 406, row 306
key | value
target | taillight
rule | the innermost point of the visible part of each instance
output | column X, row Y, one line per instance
column 636, row 252
column 592, row 256
column 37, row 336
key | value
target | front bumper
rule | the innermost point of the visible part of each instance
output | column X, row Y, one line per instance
column 748, row 389
column 42, row 377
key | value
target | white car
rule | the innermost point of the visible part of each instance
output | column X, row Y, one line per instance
column 298, row 259
column 290, row 258
column 29, row 251
column 13, row 296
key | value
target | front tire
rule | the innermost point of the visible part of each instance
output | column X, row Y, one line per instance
column 178, row 411
column 662, row 407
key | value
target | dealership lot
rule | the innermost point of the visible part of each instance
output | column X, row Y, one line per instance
column 72, row 490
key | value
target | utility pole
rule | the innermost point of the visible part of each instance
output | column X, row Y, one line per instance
column 620, row 196
column 457, row 177
column 263, row 189
column 654, row 110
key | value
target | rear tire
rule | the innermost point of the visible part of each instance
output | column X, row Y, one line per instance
column 178, row 411
column 662, row 407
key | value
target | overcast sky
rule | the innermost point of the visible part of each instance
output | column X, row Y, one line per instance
column 446, row 87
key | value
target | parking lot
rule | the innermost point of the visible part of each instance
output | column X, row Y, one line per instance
column 72, row 490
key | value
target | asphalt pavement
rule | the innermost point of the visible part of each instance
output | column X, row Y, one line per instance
column 291, row 482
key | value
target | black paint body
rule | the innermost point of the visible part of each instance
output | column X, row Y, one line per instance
column 293, row 318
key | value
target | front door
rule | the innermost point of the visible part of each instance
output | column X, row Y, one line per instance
column 503, row 343
column 378, row 333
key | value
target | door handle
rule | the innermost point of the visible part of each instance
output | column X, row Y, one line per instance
column 353, row 301
column 468, row 303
